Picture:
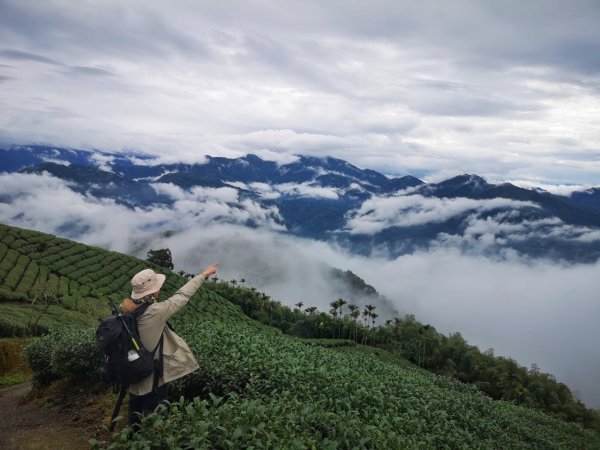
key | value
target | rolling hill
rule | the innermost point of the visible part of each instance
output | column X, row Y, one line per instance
column 256, row 386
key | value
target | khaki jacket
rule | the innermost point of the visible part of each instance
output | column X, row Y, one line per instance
column 178, row 359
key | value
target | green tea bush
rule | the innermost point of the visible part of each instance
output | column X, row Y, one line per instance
column 28, row 234
column 280, row 393
column 63, row 287
column 40, row 283
column 74, row 287
column 8, row 263
column 331, row 343
column 10, row 329
column 8, row 295
column 52, row 249
column 18, row 243
column 66, row 245
column 64, row 353
column 29, row 277
column 51, row 289
column 14, row 276
column 89, row 260
column 9, row 238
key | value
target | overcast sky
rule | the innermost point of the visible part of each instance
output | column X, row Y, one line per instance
column 506, row 89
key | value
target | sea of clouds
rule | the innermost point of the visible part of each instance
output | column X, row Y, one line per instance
column 536, row 311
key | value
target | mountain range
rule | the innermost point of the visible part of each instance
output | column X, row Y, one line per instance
column 331, row 200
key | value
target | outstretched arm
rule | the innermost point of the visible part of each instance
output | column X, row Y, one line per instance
column 181, row 297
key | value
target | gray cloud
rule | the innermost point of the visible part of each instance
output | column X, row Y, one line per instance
column 506, row 91
column 89, row 71
column 26, row 56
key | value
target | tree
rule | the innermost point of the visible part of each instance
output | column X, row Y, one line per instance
column 354, row 315
column 311, row 310
column 161, row 257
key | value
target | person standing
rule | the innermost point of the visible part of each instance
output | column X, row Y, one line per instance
column 178, row 359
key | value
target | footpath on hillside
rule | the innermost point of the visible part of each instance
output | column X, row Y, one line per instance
column 27, row 426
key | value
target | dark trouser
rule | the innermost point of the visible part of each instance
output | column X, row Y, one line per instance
column 145, row 404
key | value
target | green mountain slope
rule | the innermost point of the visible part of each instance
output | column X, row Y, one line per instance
column 256, row 386
column 48, row 282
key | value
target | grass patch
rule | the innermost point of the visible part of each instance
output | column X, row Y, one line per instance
column 11, row 380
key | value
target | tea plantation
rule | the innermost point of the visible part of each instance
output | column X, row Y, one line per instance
column 256, row 388
column 47, row 282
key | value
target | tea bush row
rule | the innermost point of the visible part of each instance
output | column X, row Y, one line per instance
column 14, row 276
column 29, row 277
column 281, row 393
column 8, row 262
column 9, row 238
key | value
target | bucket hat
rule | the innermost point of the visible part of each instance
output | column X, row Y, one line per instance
column 146, row 282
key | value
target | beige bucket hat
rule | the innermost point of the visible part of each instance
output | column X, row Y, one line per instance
column 146, row 282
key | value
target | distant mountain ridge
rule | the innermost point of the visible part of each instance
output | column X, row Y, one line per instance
column 330, row 199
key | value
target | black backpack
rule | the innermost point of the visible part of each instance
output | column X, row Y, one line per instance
column 126, row 360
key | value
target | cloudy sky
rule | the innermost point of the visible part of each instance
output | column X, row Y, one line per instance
column 509, row 90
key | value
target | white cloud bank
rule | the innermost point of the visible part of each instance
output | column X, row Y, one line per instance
column 540, row 312
column 45, row 203
column 379, row 213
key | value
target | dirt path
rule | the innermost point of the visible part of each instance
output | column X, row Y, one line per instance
column 26, row 426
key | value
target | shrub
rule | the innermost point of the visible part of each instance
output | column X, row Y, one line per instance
column 63, row 287
column 29, row 278
column 9, row 238
column 40, row 283
column 17, row 244
column 14, row 276
column 8, row 295
column 8, row 262
column 64, row 353
column 280, row 393
column 51, row 289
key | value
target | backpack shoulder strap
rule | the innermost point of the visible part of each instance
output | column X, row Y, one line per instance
column 140, row 310
column 158, row 363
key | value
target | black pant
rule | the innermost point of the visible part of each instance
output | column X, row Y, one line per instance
column 145, row 404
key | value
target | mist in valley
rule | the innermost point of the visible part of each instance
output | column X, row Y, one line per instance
column 535, row 311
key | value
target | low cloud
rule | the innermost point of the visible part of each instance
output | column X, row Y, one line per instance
column 557, row 189
column 45, row 203
column 307, row 190
column 379, row 213
column 535, row 312
column 273, row 191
